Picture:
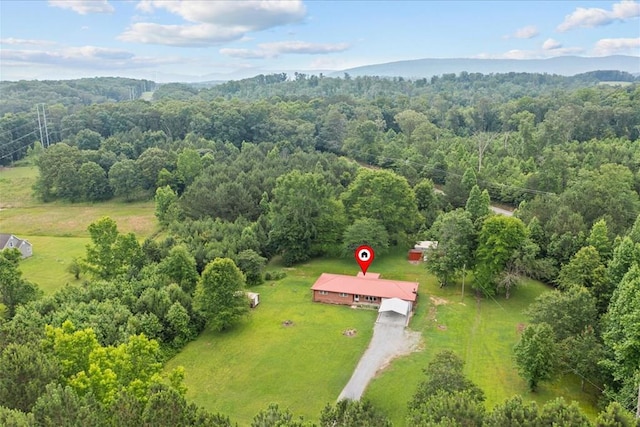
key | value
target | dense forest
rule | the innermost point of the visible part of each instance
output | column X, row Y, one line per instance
column 313, row 166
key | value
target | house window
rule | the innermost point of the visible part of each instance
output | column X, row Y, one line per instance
column 343, row 295
column 324, row 293
column 369, row 298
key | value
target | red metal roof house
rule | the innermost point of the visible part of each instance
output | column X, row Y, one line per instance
column 367, row 289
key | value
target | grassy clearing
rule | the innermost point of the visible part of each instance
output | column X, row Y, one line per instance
column 302, row 367
column 15, row 186
column 241, row 371
column 58, row 231
column 66, row 220
column 483, row 332
column 51, row 256
column 23, row 215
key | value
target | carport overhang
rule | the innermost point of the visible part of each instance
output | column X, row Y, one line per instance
column 395, row 304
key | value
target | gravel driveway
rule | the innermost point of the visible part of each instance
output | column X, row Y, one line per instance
column 390, row 340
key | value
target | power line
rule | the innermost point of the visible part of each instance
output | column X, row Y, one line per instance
column 11, row 131
column 19, row 149
column 18, row 139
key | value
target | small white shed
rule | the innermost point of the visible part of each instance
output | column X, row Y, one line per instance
column 254, row 299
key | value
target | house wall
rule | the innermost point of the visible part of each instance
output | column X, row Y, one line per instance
column 23, row 246
column 25, row 249
column 335, row 298
column 12, row 243
column 332, row 298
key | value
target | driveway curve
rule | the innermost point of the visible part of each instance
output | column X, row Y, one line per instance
column 390, row 340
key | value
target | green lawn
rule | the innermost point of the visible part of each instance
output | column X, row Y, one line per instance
column 302, row 367
column 51, row 256
column 305, row 366
column 483, row 332
column 23, row 215
column 15, row 186
column 58, row 231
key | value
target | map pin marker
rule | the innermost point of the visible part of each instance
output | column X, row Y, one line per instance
column 364, row 257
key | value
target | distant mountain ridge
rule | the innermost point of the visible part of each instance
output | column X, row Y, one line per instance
column 562, row 65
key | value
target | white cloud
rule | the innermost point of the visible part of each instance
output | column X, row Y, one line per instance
column 246, row 53
column 595, row 17
column 180, row 35
column 527, row 32
column 88, row 57
column 83, row 7
column 26, row 42
column 606, row 47
column 305, row 47
column 275, row 49
column 550, row 44
column 212, row 22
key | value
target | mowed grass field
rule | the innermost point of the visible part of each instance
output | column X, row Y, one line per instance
column 482, row 332
column 58, row 231
column 305, row 366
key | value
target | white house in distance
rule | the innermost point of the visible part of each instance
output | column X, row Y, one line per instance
column 9, row 241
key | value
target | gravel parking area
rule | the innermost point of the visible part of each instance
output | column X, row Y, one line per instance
column 390, row 340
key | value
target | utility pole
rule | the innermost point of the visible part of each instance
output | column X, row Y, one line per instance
column 40, row 125
column 638, row 408
column 46, row 130
column 464, row 273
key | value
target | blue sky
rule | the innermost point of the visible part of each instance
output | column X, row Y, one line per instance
column 196, row 40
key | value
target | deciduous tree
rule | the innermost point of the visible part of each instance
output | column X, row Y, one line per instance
column 220, row 294
column 14, row 290
column 383, row 196
column 94, row 185
column 167, row 208
column 427, row 201
column 456, row 240
column 599, row 239
column 252, row 265
column 499, row 239
column 125, row 180
column 365, row 231
column 305, row 219
column 180, row 267
column 572, row 311
column 189, row 165
column 536, row 354
column 111, row 253
column 622, row 337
